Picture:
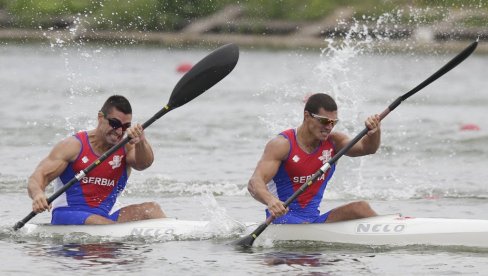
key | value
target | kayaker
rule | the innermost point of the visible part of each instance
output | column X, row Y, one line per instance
column 293, row 156
column 91, row 200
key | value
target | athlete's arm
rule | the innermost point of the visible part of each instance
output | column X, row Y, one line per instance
column 139, row 152
column 369, row 144
column 48, row 169
column 275, row 151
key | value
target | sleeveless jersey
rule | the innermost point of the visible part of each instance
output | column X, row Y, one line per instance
column 298, row 167
column 98, row 190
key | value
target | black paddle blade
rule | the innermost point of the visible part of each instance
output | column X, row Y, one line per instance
column 205, row 74
column 248, row 240
column 245, row 242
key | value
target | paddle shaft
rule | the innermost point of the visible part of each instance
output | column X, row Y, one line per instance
column 446, row 68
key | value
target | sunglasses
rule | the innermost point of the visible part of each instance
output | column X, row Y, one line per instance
column 115, row 123
column 324, row 120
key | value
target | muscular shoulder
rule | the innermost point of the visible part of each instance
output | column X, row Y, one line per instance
column 67, row 149
column 277, row 148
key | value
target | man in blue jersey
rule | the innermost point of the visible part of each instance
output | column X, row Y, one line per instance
column 292, row 157
column 92, row 198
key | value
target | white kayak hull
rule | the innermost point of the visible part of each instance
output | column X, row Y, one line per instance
column 164, row 229
column 392, row 230
column 385, row 230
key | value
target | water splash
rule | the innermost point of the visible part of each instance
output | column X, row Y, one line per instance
column 221, row 224
column 75, row 55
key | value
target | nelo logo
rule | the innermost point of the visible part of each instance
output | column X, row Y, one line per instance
column 380, row 228
column 151, row 232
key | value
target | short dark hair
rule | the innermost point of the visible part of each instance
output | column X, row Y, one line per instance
column 320, row 100
column 119, row 102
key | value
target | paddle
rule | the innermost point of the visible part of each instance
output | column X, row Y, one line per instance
column 249, row 240
column 205, row 74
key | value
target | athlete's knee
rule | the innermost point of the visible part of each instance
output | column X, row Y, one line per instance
column 361, row 205
column 152, row 205
column 152, row 210
column 363, row 209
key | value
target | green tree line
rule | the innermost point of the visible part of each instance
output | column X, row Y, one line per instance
column 170, row 15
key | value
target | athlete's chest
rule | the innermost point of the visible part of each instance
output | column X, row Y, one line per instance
column 301, row 163
column 112, row 167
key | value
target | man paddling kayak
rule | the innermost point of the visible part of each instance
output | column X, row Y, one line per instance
column 291, row 158
column 90, row 200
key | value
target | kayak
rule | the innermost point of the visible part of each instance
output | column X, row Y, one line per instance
column 392, row 230
column 160, row 229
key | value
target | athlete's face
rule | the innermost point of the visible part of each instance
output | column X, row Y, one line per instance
column 321, row 123
column 113, row 125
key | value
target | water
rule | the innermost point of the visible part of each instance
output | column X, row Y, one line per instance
column 206, row 151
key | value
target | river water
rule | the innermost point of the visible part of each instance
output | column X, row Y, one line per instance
column 205, row 151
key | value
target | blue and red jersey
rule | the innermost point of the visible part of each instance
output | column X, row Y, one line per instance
column 98, row 190
column 296, row 169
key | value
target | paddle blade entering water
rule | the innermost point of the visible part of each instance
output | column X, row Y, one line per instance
column 248, row 240
column 205, row 74
column 245, row 242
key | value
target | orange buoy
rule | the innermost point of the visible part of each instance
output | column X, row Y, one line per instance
column 183, row 67
column 470, row 127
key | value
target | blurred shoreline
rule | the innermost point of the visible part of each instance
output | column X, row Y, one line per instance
column 185, row 40
column 230, row 25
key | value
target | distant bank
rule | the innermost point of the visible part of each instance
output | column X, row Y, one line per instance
column 210, row 40
column 229, row 25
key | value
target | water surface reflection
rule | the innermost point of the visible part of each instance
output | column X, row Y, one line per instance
column 124, row 256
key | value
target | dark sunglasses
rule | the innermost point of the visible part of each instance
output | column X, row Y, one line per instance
column 115, row 123
column 324, row 120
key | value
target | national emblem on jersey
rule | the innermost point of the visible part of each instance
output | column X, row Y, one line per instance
column 326, row 156
column 116, row 161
